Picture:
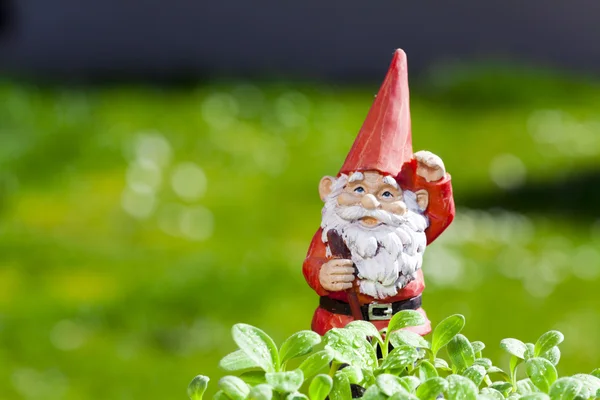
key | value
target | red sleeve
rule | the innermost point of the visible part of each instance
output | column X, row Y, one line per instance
column 315, row 258
column 440, row 210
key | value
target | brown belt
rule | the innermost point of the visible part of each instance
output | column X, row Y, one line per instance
column 373, row 311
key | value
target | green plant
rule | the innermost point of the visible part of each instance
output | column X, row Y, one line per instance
column 359, row 355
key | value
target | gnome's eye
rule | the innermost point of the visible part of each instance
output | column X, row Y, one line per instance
column 359, row 189
column 387, row 195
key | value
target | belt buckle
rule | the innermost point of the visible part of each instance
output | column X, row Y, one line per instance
column 387, row 311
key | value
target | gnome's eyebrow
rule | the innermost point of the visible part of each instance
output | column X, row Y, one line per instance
column 390, row 181
column 357, row 176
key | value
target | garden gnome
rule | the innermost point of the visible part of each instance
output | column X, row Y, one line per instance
column 381, row 210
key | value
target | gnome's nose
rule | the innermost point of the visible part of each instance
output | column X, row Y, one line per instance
column 369, row 202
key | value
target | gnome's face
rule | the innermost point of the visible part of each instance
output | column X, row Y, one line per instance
column 383, row 226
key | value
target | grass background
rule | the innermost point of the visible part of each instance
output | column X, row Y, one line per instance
column 138, row 223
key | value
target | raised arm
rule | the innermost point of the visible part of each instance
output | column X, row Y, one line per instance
column 426, row 171
column 440, row 210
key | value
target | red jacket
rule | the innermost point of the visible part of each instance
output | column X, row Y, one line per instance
column 440, row 212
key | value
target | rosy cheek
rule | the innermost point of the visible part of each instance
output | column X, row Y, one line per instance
column 397, row 207
column 347, row 199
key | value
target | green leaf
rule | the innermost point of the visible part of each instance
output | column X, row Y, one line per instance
column 492, row 393
column 403, row 396
column 460, row 352
column 341, row 388
column 440, row 363
column 254, row 377
column 547, row 341
column 596, row 373
column 234, row 387
column 445, row 331
column 353, row 373
column 400, row 358
column 320, row 387
column 366, row 329
column 567, row 389
column 502, row 387
column 351, row 348
column 514, row 347
column 478, row 346
column 484, row 362
column 591, row 383
column 410, row 383
column 314, row 363
column 495, row 370
column 236, row 361
column 552, row 355
column 541, row 372
column 220, row 395
column 368, row 377
column 260, row 392
column 298, row 345
column 373, row 393
column 409, row 338
column 526, row 386
column 535, row 396
column 427, row 371
column 296, row 396
column 404, row 319
column 389, row 384
column 514, row 363
column 475, row 373
column 257, row 345
column 197, row 387
column 285, row 381
column 431, row 388
column 460, row 388
column 530, row 351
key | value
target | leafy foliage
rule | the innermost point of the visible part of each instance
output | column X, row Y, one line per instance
column 359, row 357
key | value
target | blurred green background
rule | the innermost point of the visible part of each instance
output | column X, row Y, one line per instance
column 138, row 223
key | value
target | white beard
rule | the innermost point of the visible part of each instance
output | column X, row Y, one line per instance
column 388, row 256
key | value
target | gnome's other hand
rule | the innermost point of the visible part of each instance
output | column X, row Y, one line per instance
column 336, row 275
column 430, row 166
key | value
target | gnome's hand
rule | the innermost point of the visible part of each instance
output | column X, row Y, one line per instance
column 430, row 166
column 336, row 275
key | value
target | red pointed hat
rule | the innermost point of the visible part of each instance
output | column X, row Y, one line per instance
column 384, row 142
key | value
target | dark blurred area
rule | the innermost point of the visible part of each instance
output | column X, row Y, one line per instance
column 334, row 40
column 159, row 164
column 6, row 18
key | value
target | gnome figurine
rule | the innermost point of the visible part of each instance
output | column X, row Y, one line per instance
column 381, row 210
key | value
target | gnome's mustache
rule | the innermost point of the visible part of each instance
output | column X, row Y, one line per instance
column 354, row 213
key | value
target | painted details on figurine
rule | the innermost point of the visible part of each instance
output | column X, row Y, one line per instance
column 380, row 212
column 384, row 229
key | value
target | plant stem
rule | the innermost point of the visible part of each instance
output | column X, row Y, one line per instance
column 386, row 346
column 334, row 367
column 513, row 377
